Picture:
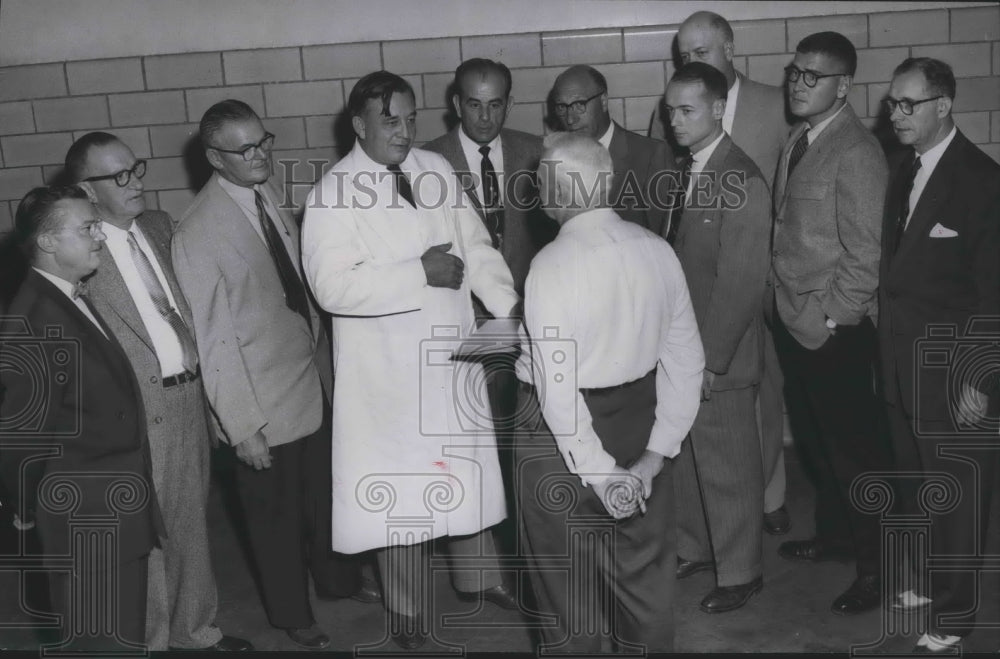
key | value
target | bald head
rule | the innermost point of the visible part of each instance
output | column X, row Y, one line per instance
column 580, row 101
column 574, row 175
column 707, row 37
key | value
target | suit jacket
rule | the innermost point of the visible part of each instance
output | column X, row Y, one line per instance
column 111, row 296
column 944, row 280
column 759, row 125
column 89, row 408
column 264, row 368
column 723, row 246
column 828, row 228
column 642, row 185
column 526, row 227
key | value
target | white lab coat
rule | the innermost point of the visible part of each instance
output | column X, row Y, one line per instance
column 414, row 453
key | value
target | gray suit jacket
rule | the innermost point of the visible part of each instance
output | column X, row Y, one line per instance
column 759, row 125
column 264, row 369
column 722, row 244
column 641, row 188
column 828, row 229
column 526, row 227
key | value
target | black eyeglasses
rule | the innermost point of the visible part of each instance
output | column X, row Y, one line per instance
column 576, row 106
column 264, row 146
column 123, row 177
column 810, row 78
column 905, row 105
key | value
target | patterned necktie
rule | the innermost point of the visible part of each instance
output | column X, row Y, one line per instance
column 295, row 292
column 189, row 353
column 680, row 198
column 402, row 184
column 798, row 150
column 491, row 199
column 904, row 201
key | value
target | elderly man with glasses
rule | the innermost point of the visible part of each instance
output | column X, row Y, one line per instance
column 266, row 363
column 644, row 170
column 137, row 294
column 828, row 195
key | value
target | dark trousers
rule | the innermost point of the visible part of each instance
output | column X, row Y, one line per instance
column 287, row 510
column 959, row 532
column 621, row 585
column 831, row 390
column 89, row 601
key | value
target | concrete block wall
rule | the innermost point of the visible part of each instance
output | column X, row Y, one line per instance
column 155, row 102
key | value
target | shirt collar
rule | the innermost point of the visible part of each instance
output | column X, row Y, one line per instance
column 59, row 282
column 469, row 145
column 929, row 158
column 587, row 219
column 821, row 126
column 731, row 96
column 702, row 156
column 239, row 193
column 605, row 139
column 115, row 233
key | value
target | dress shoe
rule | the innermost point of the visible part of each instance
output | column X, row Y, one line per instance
column 778, row 522
column 936, row 644
column 499, row 595
column 369, row 592
column 310, row 638
column 863, row 595
column 730, row 598
column 407, row 631
column 908, row 601
column 224, row 644
column 812, row 550
column 686, row 568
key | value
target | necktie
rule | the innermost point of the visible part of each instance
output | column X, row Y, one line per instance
column 491, row 198
column 904, row 200
column 189, row 353
column 680, row 198
column 798, row 150
column 295, row 292
column 80, row 289
column 402, row 184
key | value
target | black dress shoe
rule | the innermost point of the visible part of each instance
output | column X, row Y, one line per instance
column 778, row 522
column 730, row 598
column 369, row 592
column 224, row 644
column 864, row 595
column 499, row 595
column 686, row 568
column 407, row 631
column 812, row 550
column 310, row 638
column 935, row 644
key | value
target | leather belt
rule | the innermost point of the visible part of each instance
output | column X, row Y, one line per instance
column 181, row 378
column 530, row 388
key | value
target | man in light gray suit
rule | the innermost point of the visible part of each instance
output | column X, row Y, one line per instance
column 756, row 120
column 829, row 198
column 137, row 294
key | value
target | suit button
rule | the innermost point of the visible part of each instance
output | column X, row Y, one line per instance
column 158, row 419
column 121, row 416
column 154, row 379
column 776, row 253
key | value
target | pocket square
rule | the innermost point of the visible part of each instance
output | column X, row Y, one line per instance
column 941, row 231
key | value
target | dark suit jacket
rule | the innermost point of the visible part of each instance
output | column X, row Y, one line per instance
column 90, row 409
column 939, row 280
column 526, row 227
column 642, row 184
column 723, row 246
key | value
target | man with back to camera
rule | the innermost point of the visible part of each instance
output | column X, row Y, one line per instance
column 609, row 389
column 755, row 119
column 940, row 266
column 829, row 196
column 94, row 417
column 138, row 296
column 723, row 245
column 266, row 364
column 640, row 191
column 393, row 250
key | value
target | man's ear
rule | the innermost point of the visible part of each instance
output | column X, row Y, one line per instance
column 604, row 101
column 456, row 103
column 46, row 242
column 944, row 106
column 729, row 50
column 214, row 159
column 510, row 104
column 89, row 189
column 844, row 86
column 359, row 126
column 718, row 108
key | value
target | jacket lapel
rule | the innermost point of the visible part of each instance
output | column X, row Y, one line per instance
column 110, row 283
column 161, row 251
column 455, row 154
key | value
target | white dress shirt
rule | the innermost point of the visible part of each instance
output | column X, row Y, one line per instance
column 698, row 162
column 813, row 133
column 928, row 162
column 605, row 139
column 730, row 114
column 166, row 345
column 613, row 298
column 475, row 160
column 67, row 288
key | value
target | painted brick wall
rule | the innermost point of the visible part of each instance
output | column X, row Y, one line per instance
column 154, row 103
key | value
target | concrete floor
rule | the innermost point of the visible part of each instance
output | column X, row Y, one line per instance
column 790, row 615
